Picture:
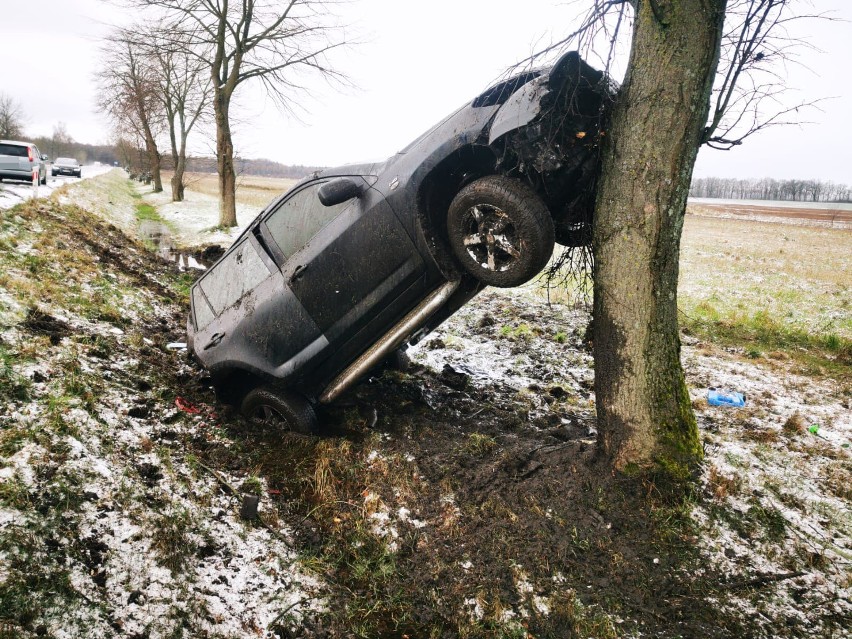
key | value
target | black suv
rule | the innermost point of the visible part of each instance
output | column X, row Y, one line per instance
column 351, row 265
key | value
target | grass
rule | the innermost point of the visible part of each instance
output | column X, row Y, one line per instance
column 765, row 288
column 174, row 543
column 769, row 288
column 758, row 332
column 146, row 212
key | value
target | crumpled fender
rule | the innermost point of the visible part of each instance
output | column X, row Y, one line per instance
column 525, row 104
column 520, row 109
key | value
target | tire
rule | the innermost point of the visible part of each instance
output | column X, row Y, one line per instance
column 279, row 409
column 43, row 180
column 500, row 231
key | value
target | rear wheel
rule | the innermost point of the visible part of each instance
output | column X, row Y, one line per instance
column 281, row 410
column 500, row 230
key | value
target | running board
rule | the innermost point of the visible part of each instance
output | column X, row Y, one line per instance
column 389, row 342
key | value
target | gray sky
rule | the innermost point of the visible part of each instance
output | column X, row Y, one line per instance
column 418, row 62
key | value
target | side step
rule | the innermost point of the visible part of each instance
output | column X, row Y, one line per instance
column 389, row 342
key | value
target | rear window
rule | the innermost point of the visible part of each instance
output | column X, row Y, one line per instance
column 17, row 150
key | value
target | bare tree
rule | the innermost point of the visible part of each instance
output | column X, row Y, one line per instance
column 184, row 89
column 60, row 141
column 11, row 118
column 267, row 41
column 660, row 117
column 127, row 90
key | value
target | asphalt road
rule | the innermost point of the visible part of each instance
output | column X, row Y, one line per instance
column 12, row 192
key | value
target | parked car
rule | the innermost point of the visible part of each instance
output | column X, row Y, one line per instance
column 66, row 166
column 353, row 264
column 18, row 160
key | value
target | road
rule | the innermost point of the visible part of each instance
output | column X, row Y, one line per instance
column 12, row 192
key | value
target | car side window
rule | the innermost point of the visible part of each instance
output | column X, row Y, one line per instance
column 299, row 218
column 238, row 273
column 203, row 314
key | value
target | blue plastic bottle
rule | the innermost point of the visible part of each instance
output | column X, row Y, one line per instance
column 725, row 398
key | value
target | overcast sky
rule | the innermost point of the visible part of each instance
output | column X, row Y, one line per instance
column 417, row 62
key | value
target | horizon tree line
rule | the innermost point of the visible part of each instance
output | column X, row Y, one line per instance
column 793, row 190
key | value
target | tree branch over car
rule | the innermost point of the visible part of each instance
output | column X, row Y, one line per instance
column 273, row 42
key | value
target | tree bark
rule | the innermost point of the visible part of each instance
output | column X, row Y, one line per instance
column 644, row 412
column 225, row 161
column 153, row 158
column 177, row 180
column 177, row 176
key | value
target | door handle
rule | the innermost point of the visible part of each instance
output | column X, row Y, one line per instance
column 214, row 340
column 300, row 270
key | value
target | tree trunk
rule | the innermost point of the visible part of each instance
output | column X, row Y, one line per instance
column 177, row 176
column 644, row 412
column 154, row 159
column 225, row 161
column 177, row 180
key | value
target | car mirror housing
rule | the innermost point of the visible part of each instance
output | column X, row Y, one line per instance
column 339, row 190
column 45, row 158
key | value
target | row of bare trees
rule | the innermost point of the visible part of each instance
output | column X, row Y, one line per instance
column 770, row 189
column 187, row 60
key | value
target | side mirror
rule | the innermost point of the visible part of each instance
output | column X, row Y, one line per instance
column 339, row 190
column 45, row 158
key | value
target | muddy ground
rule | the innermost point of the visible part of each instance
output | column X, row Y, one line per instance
column 462, row 498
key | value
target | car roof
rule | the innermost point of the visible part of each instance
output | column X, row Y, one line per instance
column 17, row 142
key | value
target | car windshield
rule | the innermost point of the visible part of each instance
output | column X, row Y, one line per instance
column 66, row 161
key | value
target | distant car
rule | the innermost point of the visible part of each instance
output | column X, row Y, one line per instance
column 66, row 166
column 18, row 160
column 336, row 276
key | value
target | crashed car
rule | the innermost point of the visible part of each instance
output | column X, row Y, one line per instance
column 353, row 264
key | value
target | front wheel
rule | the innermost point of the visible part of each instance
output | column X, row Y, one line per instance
column 500, row 230
column 282, row 410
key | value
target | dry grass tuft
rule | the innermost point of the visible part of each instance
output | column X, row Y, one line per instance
column 795, row 425
column 721, row 485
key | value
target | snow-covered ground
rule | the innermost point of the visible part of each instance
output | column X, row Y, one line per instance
column 152, row 540
column 98, row 491
column 195, row 220
column 12, row 193
column 777, row 472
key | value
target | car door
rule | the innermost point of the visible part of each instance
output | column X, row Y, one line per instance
column 358, row 258
column 246, row 317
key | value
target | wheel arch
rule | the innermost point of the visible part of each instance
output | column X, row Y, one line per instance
column 440, row 186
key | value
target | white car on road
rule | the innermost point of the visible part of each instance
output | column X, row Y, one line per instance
column 18, row 160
